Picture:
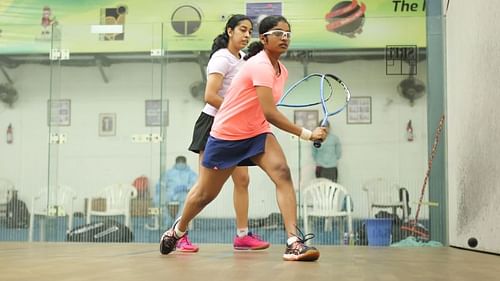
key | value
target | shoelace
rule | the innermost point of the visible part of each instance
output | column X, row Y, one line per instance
column 303, row 237
column 170, row 243
column 256, row 236
column 186, row 240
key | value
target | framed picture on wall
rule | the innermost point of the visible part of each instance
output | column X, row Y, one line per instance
column 59, row 112
column 359, row 110
column 306, row 118
column 256, row 11
column 107, row 124
column 156, row 112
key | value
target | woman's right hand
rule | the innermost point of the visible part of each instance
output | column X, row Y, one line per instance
column 319, row 134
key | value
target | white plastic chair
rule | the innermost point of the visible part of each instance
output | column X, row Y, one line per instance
column 324, row 198
column 55, row 201
column 118, row 198
column 383, row 194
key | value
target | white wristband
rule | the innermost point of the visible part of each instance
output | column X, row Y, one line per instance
column 305, row 134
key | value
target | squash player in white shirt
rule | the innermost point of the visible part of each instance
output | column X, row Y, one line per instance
column 226, row 59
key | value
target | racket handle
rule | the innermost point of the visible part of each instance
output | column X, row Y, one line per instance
column 317, row 143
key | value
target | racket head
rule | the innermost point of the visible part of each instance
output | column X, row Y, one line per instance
column 341, row 96
column 332, row 105
column 303, row 93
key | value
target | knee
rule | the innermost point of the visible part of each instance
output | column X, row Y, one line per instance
column 201, row 199
column 241, row 181
column 282, row 172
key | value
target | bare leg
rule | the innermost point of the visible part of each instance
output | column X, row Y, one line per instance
column 240, row 196
column 273, row 162
column 205, row 190
column 241, row 182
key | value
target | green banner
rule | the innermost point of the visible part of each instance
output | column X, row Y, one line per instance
column 91, row 26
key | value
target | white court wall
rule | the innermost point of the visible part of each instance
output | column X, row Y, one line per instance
column 473, row 66
column 88, row 162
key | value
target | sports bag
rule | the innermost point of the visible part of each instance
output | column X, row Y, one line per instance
column 104, row 231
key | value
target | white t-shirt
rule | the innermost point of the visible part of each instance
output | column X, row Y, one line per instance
column 225, row 63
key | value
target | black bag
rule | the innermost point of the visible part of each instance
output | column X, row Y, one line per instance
column 17, row 214
column 105, row 231
column 404, row 196
column 397, row 233
column 362, row 237
column 273, row 221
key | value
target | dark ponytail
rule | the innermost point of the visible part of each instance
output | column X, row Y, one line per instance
column 265, row 25
column 219, row 42
column 222, row 40
column 254, row 48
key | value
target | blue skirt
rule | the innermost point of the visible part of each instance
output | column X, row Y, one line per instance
column 224, row 154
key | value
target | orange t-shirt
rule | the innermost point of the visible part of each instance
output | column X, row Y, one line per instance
column 240, row 115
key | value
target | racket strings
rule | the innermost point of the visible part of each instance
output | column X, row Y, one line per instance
column 332, row 99
column 302, row 92
column 341, row 98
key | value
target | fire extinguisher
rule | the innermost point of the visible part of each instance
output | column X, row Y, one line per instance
column 10, row 137
column 409, row 131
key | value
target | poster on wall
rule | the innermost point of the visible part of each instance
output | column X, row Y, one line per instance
column 156, row 113
column 107, row 124
column 177, row 25
column 113, row 16
column 359, row 110
column 259, row 10
column 59, row 112
column 306, row 118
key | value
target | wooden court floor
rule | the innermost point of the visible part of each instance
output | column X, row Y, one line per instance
column 78, row 261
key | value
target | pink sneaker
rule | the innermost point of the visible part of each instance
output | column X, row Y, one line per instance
column 250, row 242
column 185, row 245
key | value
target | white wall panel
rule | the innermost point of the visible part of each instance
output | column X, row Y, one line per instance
column 473, row 68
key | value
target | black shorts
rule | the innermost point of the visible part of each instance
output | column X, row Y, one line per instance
column 201, row 132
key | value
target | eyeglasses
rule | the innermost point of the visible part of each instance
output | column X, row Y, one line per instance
column 279, row 33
